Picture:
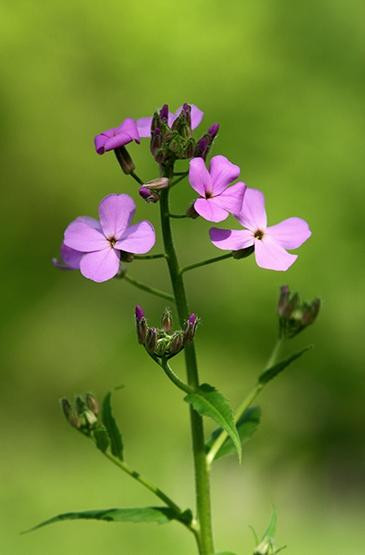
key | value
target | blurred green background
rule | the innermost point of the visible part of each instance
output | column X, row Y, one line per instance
column 286, row 82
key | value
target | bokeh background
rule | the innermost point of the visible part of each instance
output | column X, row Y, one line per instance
column 286, row 82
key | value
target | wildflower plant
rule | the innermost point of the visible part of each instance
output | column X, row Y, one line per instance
column 102, row 249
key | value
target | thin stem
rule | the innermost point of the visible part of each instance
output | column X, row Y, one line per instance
column 174, row 378
column 275, row 353
column 205, row 544
column 178, row 216
column 136, row 178
column 148, row 256
column 149, row 289
column 205, row 262
column 180, row 178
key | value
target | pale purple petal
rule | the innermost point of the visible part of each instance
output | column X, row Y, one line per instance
column 290, row 233
column 231, row 239
column 129, row 127
column 253, row 215
column 117, row 141
column 199, row 177
column 100, row 141
column 270, row 255
column 144, row 126
column 138, row 238
column 196, row 116
column 209, row 210
column 232, row 198
column 71, row 257
column 222, row 172
column 116, row 213
column 100, row 266
column 172, row 117
column 114, row 138
column 91, row 222
column 81, row 237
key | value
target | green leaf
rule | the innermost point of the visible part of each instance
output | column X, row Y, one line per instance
column 101, row 438
column 207, row 401
column 246, row 426
column 160, row 515
column 272, row 372
column 116, row 443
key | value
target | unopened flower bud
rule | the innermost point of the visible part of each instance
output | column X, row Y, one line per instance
column 202, row 147
column 92, row 404
column 69, row 413
column 157, row 184
column 156, row 141
column 213, row 130
column 139, row 312
column 176, row 343
column 151, row 340
column 156, row 121
column 294, row 315
column 265, row 548
column 243, row 253
column 148, row 195
column 166, row 320
column 124, row 159
column 191, row 212
column 189, row 148
column 190, row 327
column 283, row 299
column 141, row 324
column 164, row 113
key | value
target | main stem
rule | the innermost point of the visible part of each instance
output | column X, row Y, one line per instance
column 202, row 485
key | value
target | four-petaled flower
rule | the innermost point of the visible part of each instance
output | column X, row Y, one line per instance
column 95, row 246
column 144, row 124
column 117, row 137
column 218, row 199
column 270, row 243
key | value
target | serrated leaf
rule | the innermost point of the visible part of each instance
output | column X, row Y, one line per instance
column 272, row 372
column 160, row 515
column 116, row 442
column 246, row 426
column 101, row 438
column 207, row 401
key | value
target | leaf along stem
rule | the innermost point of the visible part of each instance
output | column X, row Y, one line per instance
column 148, row 288
column 205, row 262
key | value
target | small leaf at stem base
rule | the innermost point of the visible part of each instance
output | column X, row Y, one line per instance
column 272, row 372
column 116, row 443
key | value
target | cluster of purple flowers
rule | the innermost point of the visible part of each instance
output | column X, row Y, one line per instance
column 96, row 247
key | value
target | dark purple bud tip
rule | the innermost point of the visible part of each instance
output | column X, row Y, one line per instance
column 192, row 319
column 139, row 312
column 187, row 108
column 148, row 195
column 164, row 112
column 213, row 130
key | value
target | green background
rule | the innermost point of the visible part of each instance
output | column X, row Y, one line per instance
column 286, row 82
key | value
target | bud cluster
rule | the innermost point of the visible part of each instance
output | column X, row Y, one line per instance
column 176, row 142
column 295, row 315
column 84, row 414
column 164, row 342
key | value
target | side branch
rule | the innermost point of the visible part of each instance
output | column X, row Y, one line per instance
column 205, row 262
column 148, row 288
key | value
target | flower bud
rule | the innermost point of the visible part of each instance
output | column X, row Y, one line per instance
column 151, row 340
column 164, row 113
column 156, row 141
column 148, row 195
column 283, row 299
column 141, row 324
column 295, row 315
column 156, row 121
column 190, row 327
column 202, row 147
column 166, row 320
column 266, row 547
column 157, row 184
column 92, row 404
column 69, row 413
column 124, row 159
column 213, row 130
column 176, row 343
column 139, row 312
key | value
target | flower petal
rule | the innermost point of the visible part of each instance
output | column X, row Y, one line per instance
column 209, row 210
column 199, row 177
column 91, row 222
column 80, row 236
column 129, row 127
column 116, row 213
column 270, row 255
column 144, row 126
column 100, row 141
column 100, row 266
column 231, row 239
column 290, row 233
column 253, row 215
column 196, row 116
column 71, row 257
column 232, row 198
column 138, row 238
column 222, row 172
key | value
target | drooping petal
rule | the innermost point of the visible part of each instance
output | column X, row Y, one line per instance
column 117, row 141
column 144, row 126
column 129, row 127
column 80, row 236
column 71, row 257
column 290, row 233
column 270, row 255
column 209, row 210
column 100, row 266
column 116, row 213
column 253, row 215
column 232, row 198
column 199, row 177
column 99, row 142
column 222, row 172
column 231, row 239
column 138, row 238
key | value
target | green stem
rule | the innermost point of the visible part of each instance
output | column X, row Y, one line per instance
column 148, row 289
column 201, row 468
column 136, row 178
column 205, row 262
column 178, row 216
column 148, row 256
column 182, row 176
column 174, row 378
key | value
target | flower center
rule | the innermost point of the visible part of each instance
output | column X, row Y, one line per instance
column 112, row 241
column 259, row 234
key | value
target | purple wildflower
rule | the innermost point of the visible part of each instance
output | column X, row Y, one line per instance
column 96, row 245
column 270, row 242
column 144, row 124
column 218, row 199
column 117, row 137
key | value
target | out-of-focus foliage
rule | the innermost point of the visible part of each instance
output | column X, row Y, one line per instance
column 286, row 82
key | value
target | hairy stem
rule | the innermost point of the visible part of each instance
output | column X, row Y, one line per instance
column 201, row 468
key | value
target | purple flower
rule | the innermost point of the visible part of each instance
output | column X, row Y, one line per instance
column 117, row 137
column 94, row 246
column 70, row 259
column 270, row 242
column 218, row 199
column 144, row 124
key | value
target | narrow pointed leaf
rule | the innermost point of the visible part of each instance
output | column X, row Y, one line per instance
column 116, row 442
column 101, row 438
column 160, row 515
column 207, row 401
column 272, row 372
column 246, row 426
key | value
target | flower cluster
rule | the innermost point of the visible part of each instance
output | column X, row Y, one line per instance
column 295, row 315
column 164, row 342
